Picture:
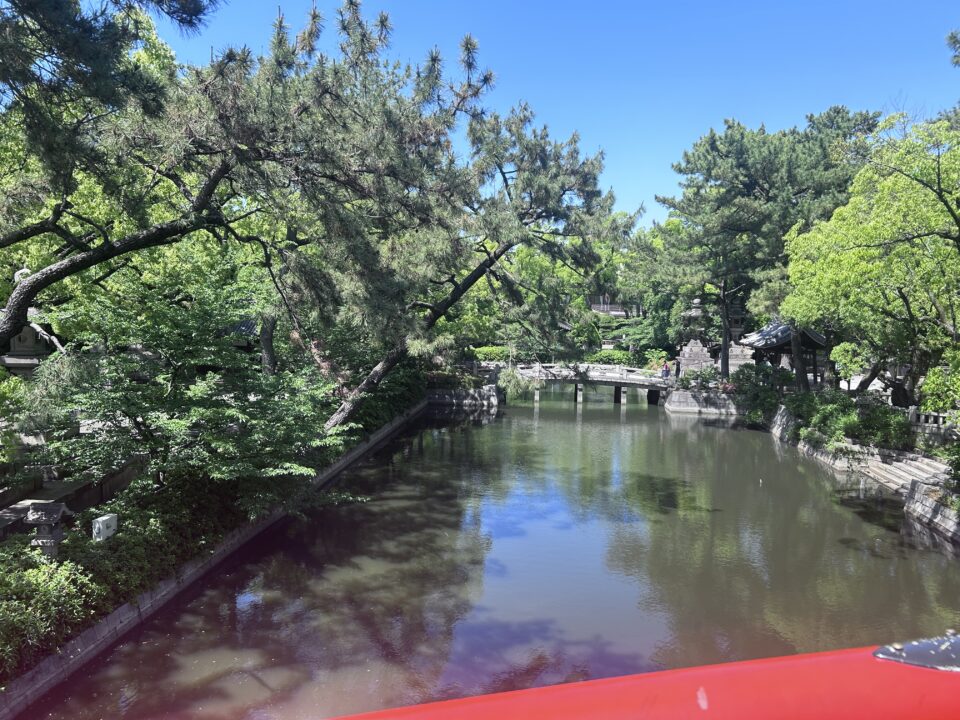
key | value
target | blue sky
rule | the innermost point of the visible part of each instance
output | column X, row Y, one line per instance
column 642, row 81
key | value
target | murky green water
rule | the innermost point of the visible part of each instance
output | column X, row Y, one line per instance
column 547, row 546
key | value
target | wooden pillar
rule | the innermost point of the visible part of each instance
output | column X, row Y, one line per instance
column 653, row 396
column 617, row 395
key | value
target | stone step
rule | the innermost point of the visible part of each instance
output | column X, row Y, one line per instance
column 918, row 472
column 881, row 474
column 926, row 473
column 898, row 470
column 934, row 466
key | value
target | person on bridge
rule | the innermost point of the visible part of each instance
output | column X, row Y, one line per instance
column 665, row 372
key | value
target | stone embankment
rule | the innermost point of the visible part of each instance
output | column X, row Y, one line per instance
column 700, row 402
column 919, row 481
column 926, row 504
column 468, row 398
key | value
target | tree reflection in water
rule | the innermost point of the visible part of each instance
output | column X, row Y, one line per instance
column 549, row 546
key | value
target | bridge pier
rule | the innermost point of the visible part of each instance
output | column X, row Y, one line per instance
column 536, row 396
column 653, row 396
column 578, row 393
column 617, row 394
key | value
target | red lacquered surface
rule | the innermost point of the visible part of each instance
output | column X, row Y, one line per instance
column 848, row 684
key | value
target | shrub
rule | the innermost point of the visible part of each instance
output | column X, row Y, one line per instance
column 654, row 358
column 492, row 353
column 832, row 416
column 699, row 379
column 880, row 424
column 753, row 392
column 610, row 357
column 11, row 401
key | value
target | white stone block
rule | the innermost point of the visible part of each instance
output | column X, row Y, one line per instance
column 104, row 526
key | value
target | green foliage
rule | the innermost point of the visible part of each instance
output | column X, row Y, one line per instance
column 883, row 272
column 832, row 416
column 401, row 390
column 492, row 353
column 161, row 526
column 62, row 61
column 11, row 404
column 742, row 190
column 513, row 383
column 755, row 392
column 654, row 358
column 951, row 455
column 610, row 357
column 171, row 378
column 701, row 379
column 453, row 379
column 41, row 604
column 849, row 358
column 941, row 389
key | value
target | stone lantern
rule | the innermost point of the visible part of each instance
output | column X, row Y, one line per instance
column 47, row 517
column 694, row 356
column 694, row 324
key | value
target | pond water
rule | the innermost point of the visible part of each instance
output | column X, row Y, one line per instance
column 549, row 545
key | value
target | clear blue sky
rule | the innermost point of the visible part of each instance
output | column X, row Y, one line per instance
column 642, row 80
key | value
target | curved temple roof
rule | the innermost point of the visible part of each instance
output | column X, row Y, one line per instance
column 776, row 335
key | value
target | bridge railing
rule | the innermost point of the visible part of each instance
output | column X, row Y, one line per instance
column 591, row 371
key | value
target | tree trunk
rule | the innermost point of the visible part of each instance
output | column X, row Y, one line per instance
column 799, row 367
column 867, row 379
column 725, row 343
column 351, row 403
column 268, row 353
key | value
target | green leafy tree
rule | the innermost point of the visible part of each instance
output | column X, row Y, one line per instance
column 884, row 271
column 162, row 366
column 64, row 65
column 743, row 190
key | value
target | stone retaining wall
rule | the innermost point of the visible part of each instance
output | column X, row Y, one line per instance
column 24, row 690
column 700, row 402
column 485, row 397
column 783, row 424
column 923, row 501
column 924, row 504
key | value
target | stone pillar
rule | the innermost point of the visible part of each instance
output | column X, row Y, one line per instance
column 536, row 396
column 617, row 395
column 653, row 396
column 578, row 393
